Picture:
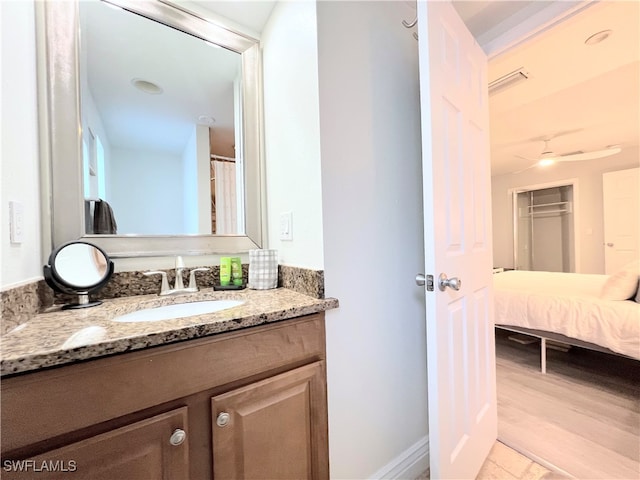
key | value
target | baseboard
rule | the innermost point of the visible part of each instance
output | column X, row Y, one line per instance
column 409, row 465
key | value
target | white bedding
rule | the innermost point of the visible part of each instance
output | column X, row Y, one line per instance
column 569, row 304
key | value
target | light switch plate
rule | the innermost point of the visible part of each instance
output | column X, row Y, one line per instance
column 16, row 222
column 286, row 226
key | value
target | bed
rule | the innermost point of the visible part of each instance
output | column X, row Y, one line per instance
column 569, row 308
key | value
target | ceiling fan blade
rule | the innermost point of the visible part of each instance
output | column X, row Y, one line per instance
column 540, row 138
column 525, row 169
column 525, row 158
column 576, row 157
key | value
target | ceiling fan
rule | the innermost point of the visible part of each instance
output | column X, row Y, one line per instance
column 548, row 157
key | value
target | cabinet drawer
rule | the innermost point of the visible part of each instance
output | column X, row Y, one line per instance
column 138, row 451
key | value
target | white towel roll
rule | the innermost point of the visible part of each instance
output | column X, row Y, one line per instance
column 263, row 269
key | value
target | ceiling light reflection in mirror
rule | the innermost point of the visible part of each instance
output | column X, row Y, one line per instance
column 159, row 113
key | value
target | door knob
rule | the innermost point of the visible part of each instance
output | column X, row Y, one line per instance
column 420, row 279
column 223, row 419
column 177, row 437
column 609, row 244
column 444, row 282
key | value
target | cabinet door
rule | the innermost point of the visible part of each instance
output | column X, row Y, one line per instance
column 141, row 450
column 275, row 428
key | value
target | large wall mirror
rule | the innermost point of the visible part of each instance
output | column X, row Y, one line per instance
column 152, row 129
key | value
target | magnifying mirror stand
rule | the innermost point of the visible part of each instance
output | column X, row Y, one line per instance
column 83, row 296
column 78, row 268
column 83, row 302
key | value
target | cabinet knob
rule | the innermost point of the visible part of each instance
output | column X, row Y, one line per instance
column 178, row 437
column 223, row 419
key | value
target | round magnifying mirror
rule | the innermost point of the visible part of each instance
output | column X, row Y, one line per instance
column 78, row 268
column 80, row 265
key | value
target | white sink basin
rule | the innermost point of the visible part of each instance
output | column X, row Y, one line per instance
column 178, row 310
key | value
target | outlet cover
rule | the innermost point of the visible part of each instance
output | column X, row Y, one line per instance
column 16, row 222
column 286, row 226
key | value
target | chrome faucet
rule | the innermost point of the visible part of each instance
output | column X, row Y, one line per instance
column 179, row 284
column 179, row 268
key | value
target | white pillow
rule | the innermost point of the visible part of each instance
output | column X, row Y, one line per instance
column 623, row 284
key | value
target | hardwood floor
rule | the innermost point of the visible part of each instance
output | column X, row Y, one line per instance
column 582, row 418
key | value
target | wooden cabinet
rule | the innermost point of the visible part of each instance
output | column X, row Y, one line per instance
column 269, row 429
column 151, row 448
column 251, row 404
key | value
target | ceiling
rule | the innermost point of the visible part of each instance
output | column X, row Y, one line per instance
column 496, row 24
column 196, row 78
column 580, row 97
column 245, row 16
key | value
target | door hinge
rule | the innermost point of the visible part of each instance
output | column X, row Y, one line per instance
column 429, row 283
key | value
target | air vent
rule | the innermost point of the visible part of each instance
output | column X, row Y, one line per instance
column 508, row 80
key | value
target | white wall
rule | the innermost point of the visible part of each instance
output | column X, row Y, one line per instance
column 190, row 185
column 373, row 239
column 203, row 155
column 196, row 174
column 590, row 234
column 92, row 120
column 19, row 167
column 292, row 132
column 146, row 192
column 367, row 232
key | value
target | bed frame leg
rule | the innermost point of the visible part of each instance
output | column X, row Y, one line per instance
column 543, row 355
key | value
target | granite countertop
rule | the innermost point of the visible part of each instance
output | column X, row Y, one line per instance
column 59, row 337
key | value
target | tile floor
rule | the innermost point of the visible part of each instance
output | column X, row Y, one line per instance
column 505, row 463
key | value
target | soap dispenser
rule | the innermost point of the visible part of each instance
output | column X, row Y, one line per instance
column 225, row 271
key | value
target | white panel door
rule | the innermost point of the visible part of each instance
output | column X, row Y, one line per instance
column 457, row 219
column 621, row 196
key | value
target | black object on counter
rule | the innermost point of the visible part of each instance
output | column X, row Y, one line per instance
column 228, row 287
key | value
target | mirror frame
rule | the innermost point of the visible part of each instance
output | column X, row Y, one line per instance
column 57, row 26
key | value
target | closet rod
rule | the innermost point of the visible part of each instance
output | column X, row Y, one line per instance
column 222, row 159
column 548, row 204
column 537, row 214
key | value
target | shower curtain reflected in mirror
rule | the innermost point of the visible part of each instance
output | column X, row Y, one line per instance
column 226, row 217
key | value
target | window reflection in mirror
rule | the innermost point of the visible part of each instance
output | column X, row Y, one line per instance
column 160, row 111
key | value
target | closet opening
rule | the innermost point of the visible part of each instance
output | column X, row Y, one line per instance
column 544, row 230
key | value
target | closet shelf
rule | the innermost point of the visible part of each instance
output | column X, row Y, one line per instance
column 545, row 209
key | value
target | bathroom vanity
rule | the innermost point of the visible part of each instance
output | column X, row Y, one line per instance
column 239, row 393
